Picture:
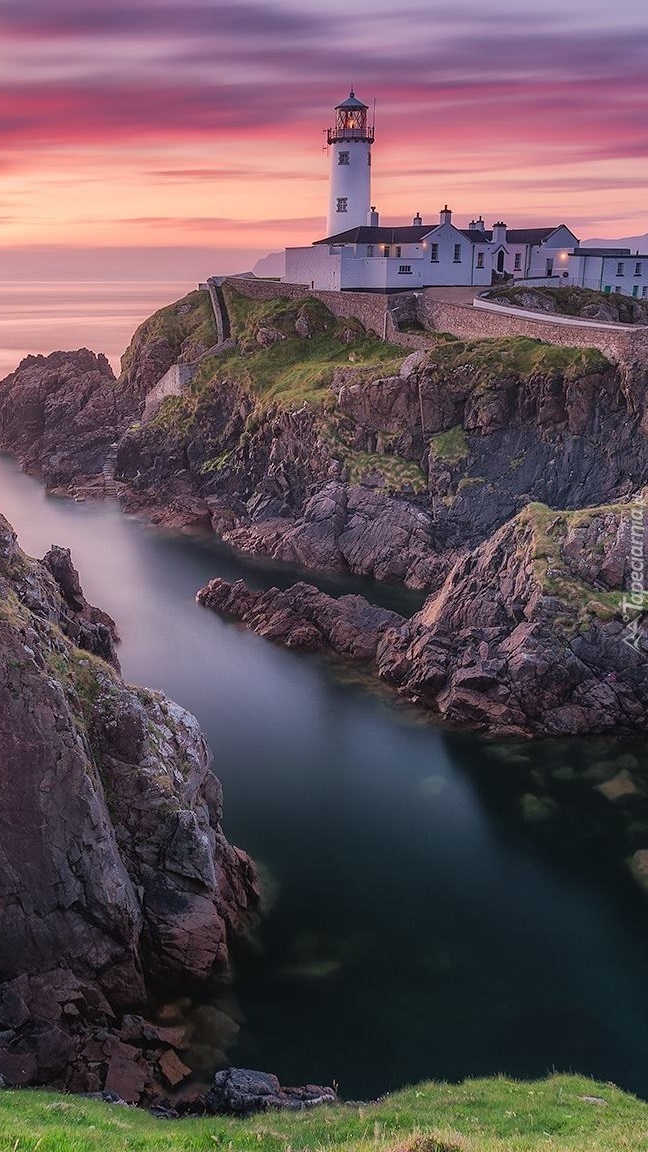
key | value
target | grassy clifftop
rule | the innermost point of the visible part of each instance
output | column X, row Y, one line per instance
column 559, row 1114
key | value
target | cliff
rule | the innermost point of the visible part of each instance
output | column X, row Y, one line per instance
column 524, row 636
column 310, row 441
column 116, row 878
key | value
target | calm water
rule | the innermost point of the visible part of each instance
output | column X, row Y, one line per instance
column 44, row 316
column 423, row 923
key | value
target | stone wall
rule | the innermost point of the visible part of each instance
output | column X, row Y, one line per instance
column 628, row 348
column 367, row 307
column 468, row 323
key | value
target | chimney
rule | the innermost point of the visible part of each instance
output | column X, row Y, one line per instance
column 477, row 225
column 373, row 217
column 499, row 233
column 445, row 216
column 418, row 220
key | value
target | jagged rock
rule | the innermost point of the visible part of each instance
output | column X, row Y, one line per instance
column 303, row 617
column 114, row 868
column 241, row 1091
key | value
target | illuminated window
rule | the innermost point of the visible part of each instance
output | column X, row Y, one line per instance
column 480, row 259
column 517, row 264
column 343, row 157
column 405, row 270
column 434, row 253
column 457, row 254
column 342, row 203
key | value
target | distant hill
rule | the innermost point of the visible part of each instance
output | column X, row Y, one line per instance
column 274, row 264
column 635, row 243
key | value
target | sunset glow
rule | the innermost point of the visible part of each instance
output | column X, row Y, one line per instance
column 198, row 126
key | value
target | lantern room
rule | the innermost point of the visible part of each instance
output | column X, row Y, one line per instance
column 351, row 121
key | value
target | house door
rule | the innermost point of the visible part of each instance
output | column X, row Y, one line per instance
column 500, row 262
column 549, row 271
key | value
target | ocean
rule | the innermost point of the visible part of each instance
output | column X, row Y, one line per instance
column 43, row 316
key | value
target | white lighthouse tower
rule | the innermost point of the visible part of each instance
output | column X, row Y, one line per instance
column 350, row 185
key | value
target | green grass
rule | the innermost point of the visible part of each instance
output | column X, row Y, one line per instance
column 487, row 362
column 396, row 471
column 495, row 1115
column 187, row 325
column 570, row 301
column 549, row 529
column 450, row 445
column 294, row 369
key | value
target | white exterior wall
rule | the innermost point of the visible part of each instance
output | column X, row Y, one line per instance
column 350, row 182
column 316, row 267
column 628, row 280
column 381, row 272
column 446, row 270
column 521, row 250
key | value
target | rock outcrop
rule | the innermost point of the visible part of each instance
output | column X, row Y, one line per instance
column 115, row 875
column 242, row 1091
column 526, row 635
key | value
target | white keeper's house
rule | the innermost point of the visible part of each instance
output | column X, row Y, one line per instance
column 359, row 254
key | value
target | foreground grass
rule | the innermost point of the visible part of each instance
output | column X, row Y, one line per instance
column 566, row 1113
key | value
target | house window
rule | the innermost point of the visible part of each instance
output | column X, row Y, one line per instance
column 342, row 203
column 343, row 157
column 644, row 291
column 635, row 289
column 480, row 259
column 617, row 289
column 434, row 254
column 517, row 263
column 397, row 250
column 457, row 254
column 370, row 248
column 405, row 270
column 620, row 268
column 607, row 289
column 638, row 268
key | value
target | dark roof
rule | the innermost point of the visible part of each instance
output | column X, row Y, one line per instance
column 352, row 102
column 603, row 252
column 476, row 235
column 365, row 234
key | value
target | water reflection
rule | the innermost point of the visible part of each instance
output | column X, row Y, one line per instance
column 443, row 905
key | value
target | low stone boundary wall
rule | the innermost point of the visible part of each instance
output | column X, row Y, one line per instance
column 380, row 313
column 623, row 345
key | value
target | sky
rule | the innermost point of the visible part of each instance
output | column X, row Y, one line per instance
column 151, row 138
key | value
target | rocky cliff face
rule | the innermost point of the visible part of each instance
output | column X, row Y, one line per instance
column 115, row 873
column 309, row 442
column 526, row 634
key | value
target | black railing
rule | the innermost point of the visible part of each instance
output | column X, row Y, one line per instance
column 334, row 135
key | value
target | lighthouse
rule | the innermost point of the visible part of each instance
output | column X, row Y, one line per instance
column 350, row 184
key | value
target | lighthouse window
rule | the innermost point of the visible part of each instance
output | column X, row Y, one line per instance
column 342, row 203
column 343, row 157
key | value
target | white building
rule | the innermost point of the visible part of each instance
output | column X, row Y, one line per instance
column 610, row 270
column 358, row 254
column 350, row 180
